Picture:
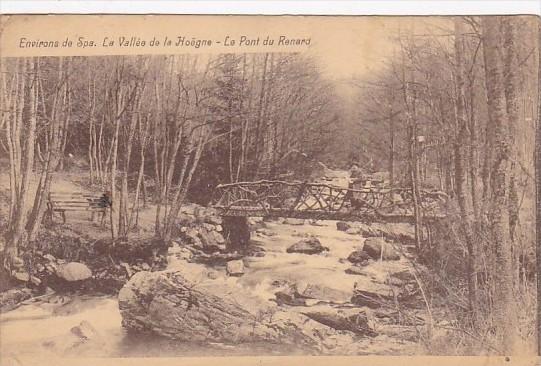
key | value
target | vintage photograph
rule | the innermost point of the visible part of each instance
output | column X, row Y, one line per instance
column 372, row 193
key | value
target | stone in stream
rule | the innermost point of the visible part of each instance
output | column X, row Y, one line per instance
column 322, row 292
column 84, row 330
column 80, row 338
column 378, row 248
column 237, row 231
column 353, row 231
column 359, row 257
column 235, row 268
column 355, row 270
column 307, row 246
column 293, row 221
column 343, row 226
column 74, row 271
column 266, row 232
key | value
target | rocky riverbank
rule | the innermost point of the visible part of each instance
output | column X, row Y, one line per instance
column 317, row 288
column 311, row 287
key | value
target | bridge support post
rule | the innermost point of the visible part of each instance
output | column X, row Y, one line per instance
column 236, row 232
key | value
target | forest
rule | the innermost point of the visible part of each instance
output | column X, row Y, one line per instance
column 453, row 108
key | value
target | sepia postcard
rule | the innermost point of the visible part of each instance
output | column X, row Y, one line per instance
column 269, row 190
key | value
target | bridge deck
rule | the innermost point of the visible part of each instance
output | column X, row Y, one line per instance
column 325, row 202
column 319, row 215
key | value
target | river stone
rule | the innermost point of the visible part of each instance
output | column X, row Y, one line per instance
column 343, row 226
column 353, row 231
column 292, row 221
column 74, row 271
column 84, row 330
column 21, row 276
column 359, row 256
column 266, row 232
column 374, row 247
column 49, row 257
column 307, row 246
column 235, row 268
column 355, row 270
column 322, row 292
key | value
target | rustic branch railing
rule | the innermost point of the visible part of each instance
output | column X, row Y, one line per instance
column 324, row 201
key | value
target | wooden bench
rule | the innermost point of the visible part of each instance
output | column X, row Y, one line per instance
column 76, row 201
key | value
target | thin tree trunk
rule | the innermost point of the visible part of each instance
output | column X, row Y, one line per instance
column 460, row 159
column 511, row 79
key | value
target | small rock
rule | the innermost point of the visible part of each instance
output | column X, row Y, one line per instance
column 288, row 298
column 186, row 220
column 322, row 292
column 353, row 231
column 21, row 276
column 235, row 268
column 378, row 248
column 358, row 256
column 84, row 330
column 218, row 238
column 74, row 271
column 213, row 219
column 355, row 270
column 145, row 267
column 212, row 275
column 51, row 268
column 219, row 228
column 174, row 249
column 35, row 281
column 49, row 257
column 342, row 226
column 307, row 246
column 292, row 221
column 265, row 232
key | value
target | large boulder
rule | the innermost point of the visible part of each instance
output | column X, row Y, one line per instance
column 168, row 304
column 73, row 271
column 307, row 246
column 378, row 248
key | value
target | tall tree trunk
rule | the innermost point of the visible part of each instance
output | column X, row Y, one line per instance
column 538, row 189
column 505, row 309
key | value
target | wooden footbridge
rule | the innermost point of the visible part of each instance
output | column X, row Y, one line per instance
column 321, row 201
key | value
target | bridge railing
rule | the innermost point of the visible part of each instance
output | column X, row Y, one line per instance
column 272, row 196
